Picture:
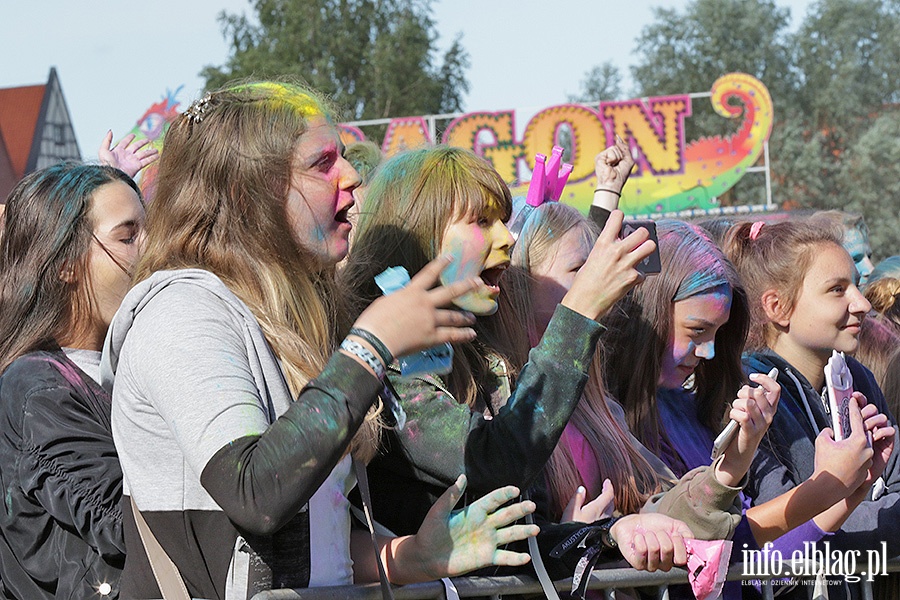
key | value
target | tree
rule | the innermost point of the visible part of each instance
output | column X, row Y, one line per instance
column 687, row 52
column 603, row 82
column 870, row 183
column 848, row 52
column 374, row 57
column 845, row 52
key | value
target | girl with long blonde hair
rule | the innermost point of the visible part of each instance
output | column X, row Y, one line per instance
column 237, row 406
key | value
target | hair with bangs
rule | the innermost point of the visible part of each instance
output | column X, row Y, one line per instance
column 409, row 203
column 633, row 478
column 220, row 205
column 46, row 296
column 777, row 257
column 640, row 326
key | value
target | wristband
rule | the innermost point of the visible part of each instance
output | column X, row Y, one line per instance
column 363, row 353
column 379, row 346
column 606, row 537
column 608, row 190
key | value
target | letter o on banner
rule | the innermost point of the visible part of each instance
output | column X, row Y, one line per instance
column 588, row 136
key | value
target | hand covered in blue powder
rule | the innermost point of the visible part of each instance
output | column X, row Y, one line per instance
column 451, row 543
column 413, row 318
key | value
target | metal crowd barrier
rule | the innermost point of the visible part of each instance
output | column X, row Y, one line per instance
column 608, row 580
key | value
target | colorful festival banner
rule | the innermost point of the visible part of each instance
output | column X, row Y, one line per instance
column 670, row 175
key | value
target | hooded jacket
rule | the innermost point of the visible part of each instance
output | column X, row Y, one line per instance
column 215, row 453
column 787, row 453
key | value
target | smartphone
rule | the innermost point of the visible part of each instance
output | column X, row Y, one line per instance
column 839, row 383
column 650, row 265
column 724, row 439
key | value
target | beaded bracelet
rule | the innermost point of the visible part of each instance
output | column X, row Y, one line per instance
column 379, row 346
column 363, row 353
column 608, row 190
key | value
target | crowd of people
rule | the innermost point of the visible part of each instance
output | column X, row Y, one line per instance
column 198, row 396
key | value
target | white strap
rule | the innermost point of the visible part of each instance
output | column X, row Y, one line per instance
column 538, row 564
column 167, row 576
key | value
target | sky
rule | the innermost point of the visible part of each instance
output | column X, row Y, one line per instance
column 115, row 58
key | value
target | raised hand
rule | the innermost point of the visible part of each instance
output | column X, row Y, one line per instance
column 413, row 319
column 453, row 543
column 601, row 507
column 128, row 155
column 651, row 541
column 613, row 166
column 609, row 272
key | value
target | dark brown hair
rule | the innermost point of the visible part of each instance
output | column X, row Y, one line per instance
column 639, row 328
column 45, row 287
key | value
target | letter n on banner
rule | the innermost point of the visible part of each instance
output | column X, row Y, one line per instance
column 657, row 130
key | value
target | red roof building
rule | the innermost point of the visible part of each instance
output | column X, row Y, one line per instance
column 35, row 131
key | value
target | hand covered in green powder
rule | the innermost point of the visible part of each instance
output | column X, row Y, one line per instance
column 450, row 543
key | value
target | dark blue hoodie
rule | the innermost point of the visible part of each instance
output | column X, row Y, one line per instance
column 787, row 453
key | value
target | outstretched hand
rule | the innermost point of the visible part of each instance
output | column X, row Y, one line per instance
column 651, row 541
column 413, row 319
column 609, row 272
column 601, row 507
column 128, row 155
column 451, row 543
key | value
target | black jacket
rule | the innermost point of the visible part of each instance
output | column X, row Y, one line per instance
column 61, row 525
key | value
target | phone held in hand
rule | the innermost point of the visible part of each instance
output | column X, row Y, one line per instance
column 724, row 439
column 839, row 383
column 650, row 265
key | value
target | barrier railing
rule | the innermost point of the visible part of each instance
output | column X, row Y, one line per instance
column 608, row 580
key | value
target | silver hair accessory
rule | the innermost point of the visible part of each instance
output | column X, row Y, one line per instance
column 196, row 110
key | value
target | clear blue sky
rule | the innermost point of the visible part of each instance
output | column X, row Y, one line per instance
column 115, row 58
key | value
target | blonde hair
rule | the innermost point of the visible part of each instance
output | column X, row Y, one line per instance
column 883, row 294
column 220, row 205
column 409, row 203
column 633, row 478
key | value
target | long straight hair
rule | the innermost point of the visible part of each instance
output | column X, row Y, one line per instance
column 410, row 201
column 639, row 328
column 45, row 286
column 633, row 478
column 224, row 178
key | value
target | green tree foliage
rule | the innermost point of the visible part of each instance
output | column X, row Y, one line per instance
column 848, row 52
column 688, row 51
column 603, row 82
column 835, row 85
column 870, row 183
column 376, row 58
